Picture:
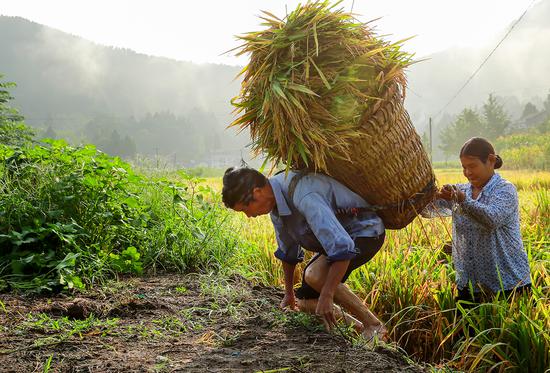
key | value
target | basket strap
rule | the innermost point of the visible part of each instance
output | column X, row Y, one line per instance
column 293, row 182
column 354, row 211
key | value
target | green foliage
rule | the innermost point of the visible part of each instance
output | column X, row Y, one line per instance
column 176, row 138
column 496, row 120
column 491, row 124
column 468, row 124
column 127, row 261
column 525, row 150
column 72, row 216
column 12, row 129
column 529, row 110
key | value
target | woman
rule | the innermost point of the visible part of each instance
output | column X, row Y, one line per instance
column 487, row 248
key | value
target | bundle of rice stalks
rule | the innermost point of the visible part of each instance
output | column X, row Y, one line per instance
column 323, row 92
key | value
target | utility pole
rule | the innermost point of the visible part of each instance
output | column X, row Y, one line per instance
column 431, row 160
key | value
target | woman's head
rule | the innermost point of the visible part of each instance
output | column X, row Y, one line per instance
column 479, row 161
column 246, row 189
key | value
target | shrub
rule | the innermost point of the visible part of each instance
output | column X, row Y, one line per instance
column 71, row 216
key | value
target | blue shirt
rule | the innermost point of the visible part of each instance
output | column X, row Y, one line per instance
column 487, row 244
column 309, row 220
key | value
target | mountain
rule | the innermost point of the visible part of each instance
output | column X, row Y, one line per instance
column 51, row 67
column 66, row 82
column 516, row 73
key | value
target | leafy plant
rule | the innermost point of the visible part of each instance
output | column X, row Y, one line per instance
column 12, row 129
column 73, row 216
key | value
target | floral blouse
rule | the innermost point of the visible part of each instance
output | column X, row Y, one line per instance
column 487, row 246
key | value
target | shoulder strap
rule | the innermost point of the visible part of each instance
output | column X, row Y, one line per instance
column 294, row 182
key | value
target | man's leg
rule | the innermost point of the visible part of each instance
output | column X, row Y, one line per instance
column 315, row 276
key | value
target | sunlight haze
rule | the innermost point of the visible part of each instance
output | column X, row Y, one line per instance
column 202, row 31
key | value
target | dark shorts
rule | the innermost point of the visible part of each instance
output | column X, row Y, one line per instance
column 367, row 247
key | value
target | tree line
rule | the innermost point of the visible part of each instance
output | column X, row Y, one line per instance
column 494, row 123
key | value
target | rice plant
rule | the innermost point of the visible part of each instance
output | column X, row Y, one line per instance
column 410, row 284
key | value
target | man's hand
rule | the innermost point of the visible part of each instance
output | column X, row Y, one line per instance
column 289, row 301
column 325, row 304
column 325, row 309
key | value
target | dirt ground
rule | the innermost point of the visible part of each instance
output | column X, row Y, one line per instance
column 183, row 323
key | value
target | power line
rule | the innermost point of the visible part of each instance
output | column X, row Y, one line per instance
column 485, row 60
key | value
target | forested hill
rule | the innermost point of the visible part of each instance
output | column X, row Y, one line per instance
column 122, row 101
column 60, row 73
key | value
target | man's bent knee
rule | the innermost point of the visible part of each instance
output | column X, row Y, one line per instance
column 313, row 279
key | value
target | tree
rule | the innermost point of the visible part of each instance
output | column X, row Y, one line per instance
column 12, row 129
column 50, row 133
column 495, row 117
column 546, row 109
column 468, row 124
column 546, row 104
column 529, row 110
column 128, row 147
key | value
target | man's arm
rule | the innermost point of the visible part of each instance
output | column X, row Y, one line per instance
column 288, row 249
column 326, row 300
column 338, row 245
column 289, row 253
column 289, row 300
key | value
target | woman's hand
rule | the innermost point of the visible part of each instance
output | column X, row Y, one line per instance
column 451, row 192
column 289, row 301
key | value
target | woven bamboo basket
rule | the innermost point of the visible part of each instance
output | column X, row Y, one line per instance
column 390, row 169
column 322, row 92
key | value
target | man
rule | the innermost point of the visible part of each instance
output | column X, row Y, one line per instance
column 315, row 212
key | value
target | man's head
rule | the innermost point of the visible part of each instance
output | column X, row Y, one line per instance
column 247, row 190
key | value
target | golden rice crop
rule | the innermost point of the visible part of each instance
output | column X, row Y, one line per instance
column 312, row 76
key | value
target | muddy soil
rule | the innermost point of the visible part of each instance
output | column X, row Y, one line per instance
column 178, row 323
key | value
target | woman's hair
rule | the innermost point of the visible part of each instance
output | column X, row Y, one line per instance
column 239, row 183
column 480, row 148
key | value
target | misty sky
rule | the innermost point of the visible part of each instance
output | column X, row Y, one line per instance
column 200, row 31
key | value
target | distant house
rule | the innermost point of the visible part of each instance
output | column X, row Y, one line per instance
column 225, row 158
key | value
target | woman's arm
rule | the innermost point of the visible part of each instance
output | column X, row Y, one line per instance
column 502, row 203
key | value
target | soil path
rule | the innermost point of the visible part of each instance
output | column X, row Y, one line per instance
column 179, row 323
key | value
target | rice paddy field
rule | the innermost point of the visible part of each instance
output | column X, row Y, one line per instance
column 410, row 285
